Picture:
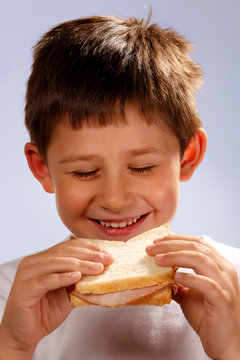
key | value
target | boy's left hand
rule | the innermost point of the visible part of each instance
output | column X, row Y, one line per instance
column 209, row 297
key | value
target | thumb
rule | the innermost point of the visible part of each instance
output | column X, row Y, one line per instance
column 179, row 293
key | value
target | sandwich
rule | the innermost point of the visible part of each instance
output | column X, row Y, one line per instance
column 133, row 279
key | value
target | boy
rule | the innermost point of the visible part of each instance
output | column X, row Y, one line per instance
column 111, row 113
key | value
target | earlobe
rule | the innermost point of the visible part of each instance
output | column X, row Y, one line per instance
column 193, row 154
column 38, row 167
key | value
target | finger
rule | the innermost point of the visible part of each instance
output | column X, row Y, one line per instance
column 68, row 251
column 209, row 289
column 87, row 244
column 167, row 246
column 176, row 242
column 198, row 242
column 41, row 285
column 226, row 276
column 200, row 263
column 84, row 254
column 95, row 256
column 179, row 292
column 60, row 265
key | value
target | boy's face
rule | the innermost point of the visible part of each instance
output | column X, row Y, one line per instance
column 106, row 178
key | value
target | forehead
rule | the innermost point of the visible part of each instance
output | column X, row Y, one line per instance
column 131, row 136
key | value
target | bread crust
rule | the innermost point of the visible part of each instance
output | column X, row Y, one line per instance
column 127, row 283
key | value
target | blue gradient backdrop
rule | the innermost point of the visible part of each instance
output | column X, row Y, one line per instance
column 209, row 203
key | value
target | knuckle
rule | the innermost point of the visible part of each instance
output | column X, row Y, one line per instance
column 40, row 283
column 229, row 298
column 52, row 260
column 93, row 254
column 229, row 270
column 198, row 247
column 61, row 276
column 60, row 250
column 206, row 261
column 213, row 288
column 200, row 243
column 88, row 255
column 75, row 263
column 203, row 258
column 200, row 239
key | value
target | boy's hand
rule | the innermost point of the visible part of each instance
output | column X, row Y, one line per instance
column 38, row 302
column 209, row 297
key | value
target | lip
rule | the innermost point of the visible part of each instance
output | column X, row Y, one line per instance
column 108, row 232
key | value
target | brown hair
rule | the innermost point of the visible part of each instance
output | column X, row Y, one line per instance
column 84, row 67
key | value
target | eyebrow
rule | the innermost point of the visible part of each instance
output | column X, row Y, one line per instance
column 133, row 152
column 77, row 157
column 146, row 150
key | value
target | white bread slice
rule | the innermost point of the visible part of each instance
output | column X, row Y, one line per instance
column 132, row 268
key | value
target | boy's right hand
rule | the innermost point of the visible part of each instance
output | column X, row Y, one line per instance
column 38, row 301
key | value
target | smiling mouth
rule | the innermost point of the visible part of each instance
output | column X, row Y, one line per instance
column 120, row 224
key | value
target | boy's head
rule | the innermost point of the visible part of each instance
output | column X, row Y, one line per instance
column 85, row 69
column 112, row 117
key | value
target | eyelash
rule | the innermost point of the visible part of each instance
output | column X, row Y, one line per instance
column 85, row 174
column 92, row 174
column 143, row 170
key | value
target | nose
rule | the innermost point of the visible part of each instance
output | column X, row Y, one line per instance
column 115, row 194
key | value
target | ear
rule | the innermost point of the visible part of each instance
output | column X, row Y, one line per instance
column 38, row 167
column 193, row 154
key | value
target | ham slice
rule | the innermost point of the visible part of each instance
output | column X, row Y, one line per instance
column 118, row 298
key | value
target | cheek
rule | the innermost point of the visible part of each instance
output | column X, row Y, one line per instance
column 166, row 199
column 164, row 194
column 71, row 201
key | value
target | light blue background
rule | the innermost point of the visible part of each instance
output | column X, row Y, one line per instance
column 210, row 201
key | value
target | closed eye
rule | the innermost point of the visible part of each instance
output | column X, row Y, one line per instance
column 143, row 170
column 85, row 174
column 92, row 174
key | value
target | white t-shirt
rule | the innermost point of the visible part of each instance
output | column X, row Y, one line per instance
column 123, row 333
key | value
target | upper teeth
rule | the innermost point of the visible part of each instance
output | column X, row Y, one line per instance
column 119, row 225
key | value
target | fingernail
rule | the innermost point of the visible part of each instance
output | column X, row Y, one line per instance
column 107, row 257
column 175, row 289
column 159, row 258
column 97, row 266
column 150, row 247
column 75, row 274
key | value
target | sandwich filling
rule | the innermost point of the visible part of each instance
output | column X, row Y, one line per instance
column 118, row 298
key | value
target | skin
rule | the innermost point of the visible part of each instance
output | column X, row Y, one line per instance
column 110, row 186
column 209, row 298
